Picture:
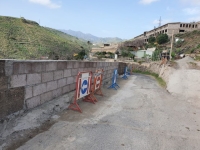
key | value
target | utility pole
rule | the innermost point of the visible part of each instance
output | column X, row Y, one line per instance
column 171, row 45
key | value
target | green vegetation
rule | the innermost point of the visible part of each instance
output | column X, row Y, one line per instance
column 152, row 40
column 156, row 76
column 191, row 43
column 127, row 54
column 25, row 39
column 104, row 55
column 156, row 55
column 162, row 38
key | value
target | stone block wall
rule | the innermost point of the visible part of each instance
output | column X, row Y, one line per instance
column 27, row 84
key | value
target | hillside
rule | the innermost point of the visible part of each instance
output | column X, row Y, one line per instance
column 92, row 38
column 191, row 43
column 25, row 39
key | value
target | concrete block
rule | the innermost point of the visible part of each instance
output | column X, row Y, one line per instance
column 75, row 78
column 67, row 73
column 87, row 64
column 9, row 67
column 48, row 76
column 74, row 72
column 33, row 79
column 62, row 82
column 15, row 99
column 57, row 93
column 61, row 65
column 72, row 87
column 39, row 89
column 94, row 64
column 70, row 80
column 52, row 85
column 58, row 74
column 81, row 64
column 80, row 69
column 70, row 64
column 3, row 82
column 76, row 64
column 22, row 67
column 2, row 67
column 28, row 92
column 50, row 66
column 65, row 89
column 46, row 97
column 38, row 67
column 18, row 80
column 33, row 102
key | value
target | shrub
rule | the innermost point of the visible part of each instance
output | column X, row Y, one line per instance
column 162, row 38
column 152, row 40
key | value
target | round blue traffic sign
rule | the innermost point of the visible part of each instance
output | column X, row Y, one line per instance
column 84, row 86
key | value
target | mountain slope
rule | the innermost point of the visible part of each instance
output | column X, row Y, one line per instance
column 25, row 39
column 92, row 38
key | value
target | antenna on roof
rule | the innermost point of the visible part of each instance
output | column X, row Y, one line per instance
column 160, row 21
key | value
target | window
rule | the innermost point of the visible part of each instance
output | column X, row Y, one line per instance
column 181, row 25
column 186, row 25
column 190, row 26
column 181, row 31
column 166, row 30
column 196, row 26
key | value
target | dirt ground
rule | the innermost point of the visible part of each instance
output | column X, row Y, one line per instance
column 139, row 115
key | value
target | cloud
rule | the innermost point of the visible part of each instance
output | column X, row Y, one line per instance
column 146, row 2
column 192, row 11
column 46, row 3
column 191, row 2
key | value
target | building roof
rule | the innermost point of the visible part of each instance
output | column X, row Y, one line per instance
column 112, row 49
column 151, row 49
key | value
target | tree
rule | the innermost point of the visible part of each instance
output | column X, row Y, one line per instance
column 152, row 40
column 162, row 38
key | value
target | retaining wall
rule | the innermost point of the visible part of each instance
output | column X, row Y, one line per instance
column 27, row 84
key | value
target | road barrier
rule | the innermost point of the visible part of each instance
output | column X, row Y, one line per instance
column 114, row 80
column 83, row 90
column 126, row 73
column 98, row 78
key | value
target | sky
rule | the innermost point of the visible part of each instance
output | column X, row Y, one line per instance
column 103, row 18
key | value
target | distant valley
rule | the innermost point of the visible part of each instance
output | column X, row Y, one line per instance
column 92, row 38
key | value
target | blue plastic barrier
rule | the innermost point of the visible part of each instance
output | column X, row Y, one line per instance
column 114, row 79
column 126, row 73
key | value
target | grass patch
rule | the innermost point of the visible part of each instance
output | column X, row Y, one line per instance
column 156, row 76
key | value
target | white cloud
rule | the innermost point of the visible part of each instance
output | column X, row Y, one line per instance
column 192, row 11
column 47, row 3
column 145, row 2
column 191, row 2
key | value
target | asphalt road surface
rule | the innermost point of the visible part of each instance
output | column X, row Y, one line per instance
column 140, row 115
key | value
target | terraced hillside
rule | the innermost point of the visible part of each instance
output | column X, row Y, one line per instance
column 25, row 39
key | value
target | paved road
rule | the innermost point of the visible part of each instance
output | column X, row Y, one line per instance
column 139, row 116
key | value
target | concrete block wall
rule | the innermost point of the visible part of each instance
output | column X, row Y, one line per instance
column 27, row 84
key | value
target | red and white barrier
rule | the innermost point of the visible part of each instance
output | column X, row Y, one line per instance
column 83, row 90
column 98, row 82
